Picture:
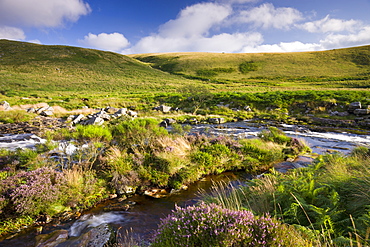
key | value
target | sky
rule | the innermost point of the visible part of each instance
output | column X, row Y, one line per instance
column 156, row 26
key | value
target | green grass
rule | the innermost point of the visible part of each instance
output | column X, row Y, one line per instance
column 342, row 68
column 27, row 69
column 74, row 77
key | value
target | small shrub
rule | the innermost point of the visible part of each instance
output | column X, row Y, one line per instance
column 212, row 225
column 273, row 134
column 92, row 132
column 266, row 153
column 206, row 72
column 30, row 193
column 204, row 160
column 138, row 133
column 83, row 189
column 246, row 67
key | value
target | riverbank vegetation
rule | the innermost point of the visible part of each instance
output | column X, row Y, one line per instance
column 327, row 202
column 123, row 157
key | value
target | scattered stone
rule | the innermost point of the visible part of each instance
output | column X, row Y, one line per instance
column 353, row 106
column 53, row 239
column 120, row 112
column 132, row 113
column 5, row 106
column 93, row 121
column 111, row 110
column 77, row 119
column 31, row 110
column 163, row 108
column 217, row 120
column 361, row 112
column 192, row 121
column 340, row 114
column 247, row 108
column 167, row 122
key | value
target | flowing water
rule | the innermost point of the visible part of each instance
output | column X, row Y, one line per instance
column 320, row 142
column 146, row 212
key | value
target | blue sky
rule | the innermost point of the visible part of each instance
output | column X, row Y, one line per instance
column 150, row 26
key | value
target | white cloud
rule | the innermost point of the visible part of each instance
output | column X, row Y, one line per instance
column 110, row 42
column 11, row 33
column 218, row 43
column 188, row 31
column 267, row 16
column 327, row 24
column 295, row 46
column 237, row 1
column 332, row 41
column 225, row 42
column 195, row 20
column 41, row 13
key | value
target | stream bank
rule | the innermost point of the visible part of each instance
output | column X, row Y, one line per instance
column 145, row 212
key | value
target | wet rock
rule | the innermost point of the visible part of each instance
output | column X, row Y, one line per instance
column 299, row 162
column 156, row 193
column 119, row 206
column 99, row 236
column 192, row 121
column 333, row 122
column 53, row 239
column 126, row 190
column 167, row 122
column 218, row 120
column 183, row 187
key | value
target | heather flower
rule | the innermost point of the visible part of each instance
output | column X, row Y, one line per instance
column 31, row 192
column 212, row 225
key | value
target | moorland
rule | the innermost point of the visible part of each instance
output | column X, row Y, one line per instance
column 325, row 204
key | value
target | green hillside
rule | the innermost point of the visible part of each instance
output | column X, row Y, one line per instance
column 66, row 76
column 30, row 68
column 341, row 68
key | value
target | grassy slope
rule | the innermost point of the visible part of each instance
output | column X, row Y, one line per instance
column 348, row 68
column 30, row 68
column 68, row 74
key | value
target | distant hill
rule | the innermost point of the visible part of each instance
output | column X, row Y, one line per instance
column 340, row 68
column 42, row 70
